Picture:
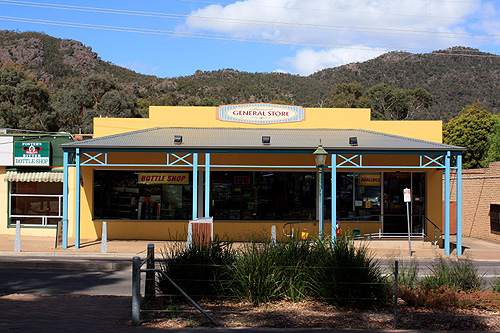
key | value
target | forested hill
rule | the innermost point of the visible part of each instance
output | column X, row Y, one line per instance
column 454, row 81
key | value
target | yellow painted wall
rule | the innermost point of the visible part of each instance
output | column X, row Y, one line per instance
column 167, row 116
column 198, row 116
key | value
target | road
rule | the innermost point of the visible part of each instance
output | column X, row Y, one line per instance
column 65, row 282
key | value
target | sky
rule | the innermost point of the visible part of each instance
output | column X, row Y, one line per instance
column 171, row 38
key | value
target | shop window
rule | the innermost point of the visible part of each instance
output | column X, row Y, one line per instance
column 246, row 195
column 495, row 218
column 35, row 203
column 358, row 196
column 145, row 195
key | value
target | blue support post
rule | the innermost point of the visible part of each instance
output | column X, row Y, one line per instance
column 459, row 204
column 65, row 200
column 195, row 186
column 334, row 196
column 77, row 200
column 207, row 185
column 321, row 201
column 447, row 203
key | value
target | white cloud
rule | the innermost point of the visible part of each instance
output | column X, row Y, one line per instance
column 382, row 23
column 308, row 61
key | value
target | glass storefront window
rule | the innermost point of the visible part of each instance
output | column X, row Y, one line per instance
column 261, row 195
column 35, row 203
column 144, row 195
column 358, row 196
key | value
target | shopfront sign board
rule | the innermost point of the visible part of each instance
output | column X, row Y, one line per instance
column 163, row 178
column 31, row 153
column 260, row 113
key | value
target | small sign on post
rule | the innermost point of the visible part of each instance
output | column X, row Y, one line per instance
column 407, row 199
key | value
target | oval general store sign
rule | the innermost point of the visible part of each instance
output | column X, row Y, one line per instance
column 260, row 113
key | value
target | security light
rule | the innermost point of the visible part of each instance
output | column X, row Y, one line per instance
column 353, row 141
column 178, row 139
column 266, row 140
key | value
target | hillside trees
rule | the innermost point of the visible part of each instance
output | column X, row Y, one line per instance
column 24, row 102
column 385, row 101
column 472, row 129
column 93, row 96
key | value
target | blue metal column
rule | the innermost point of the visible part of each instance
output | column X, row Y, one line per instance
column 459, row 205
column 195, row 186
column 77, row 200
column 321, row 200
column 207, row 185
column 447, row 203
column 334, row 196
column 65, row 200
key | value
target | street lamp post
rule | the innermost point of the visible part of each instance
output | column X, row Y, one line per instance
column 320, row 159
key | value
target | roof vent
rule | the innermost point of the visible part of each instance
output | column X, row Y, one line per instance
column 266, row 140
column 353, row 141
column 177, row 139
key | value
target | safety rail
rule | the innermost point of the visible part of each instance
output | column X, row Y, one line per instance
column 150, row 286
column 422, row 235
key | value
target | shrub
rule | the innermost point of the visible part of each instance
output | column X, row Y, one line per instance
column 453, row 273
column 265, row 271
column 407, row 273
column 495, row 284
column 343, row 274
column 197, row 269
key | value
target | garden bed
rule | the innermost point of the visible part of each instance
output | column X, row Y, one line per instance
column 312, row 314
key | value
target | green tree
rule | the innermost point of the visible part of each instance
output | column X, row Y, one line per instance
column 494, row 142
column 24, row 102
column 93, row 96
column 347, row 95
column 471, row 129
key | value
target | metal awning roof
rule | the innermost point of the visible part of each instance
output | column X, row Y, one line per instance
column 251, row 139
column 33, row 176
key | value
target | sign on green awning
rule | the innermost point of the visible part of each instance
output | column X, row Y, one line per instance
column 31, row 153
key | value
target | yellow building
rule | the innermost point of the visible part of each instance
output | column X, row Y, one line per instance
column 251, row 167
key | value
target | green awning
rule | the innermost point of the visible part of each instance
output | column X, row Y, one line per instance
column 33, row 176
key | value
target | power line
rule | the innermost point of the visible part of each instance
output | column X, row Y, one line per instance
column 372, row 30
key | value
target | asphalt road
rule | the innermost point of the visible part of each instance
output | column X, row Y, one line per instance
column 65, row 282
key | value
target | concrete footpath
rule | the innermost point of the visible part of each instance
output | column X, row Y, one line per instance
column 83, row 313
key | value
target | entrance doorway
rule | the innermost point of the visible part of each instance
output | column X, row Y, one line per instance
column 394, row 213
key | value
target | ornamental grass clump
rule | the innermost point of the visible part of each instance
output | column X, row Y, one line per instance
column 342, row 273
column 267, row 271
column 457, row 274
column 197, row 269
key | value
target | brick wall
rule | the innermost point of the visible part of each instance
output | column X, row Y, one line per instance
column 480, row 188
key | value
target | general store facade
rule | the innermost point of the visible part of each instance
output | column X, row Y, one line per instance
column 252, row 166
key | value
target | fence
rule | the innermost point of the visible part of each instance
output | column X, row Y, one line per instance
column 151, row 285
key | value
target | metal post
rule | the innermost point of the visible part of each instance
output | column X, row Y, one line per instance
column 195, row 186
column 273, row 234
column 189, row 236
column 447, row 203
column 136, row 291
column 104, row 238
column 65, row 201
column 17, row 241
column 396, row 268
column 321, row 202
column 207, row 184
column 150, row 289
column 77, row 200
column 459, row 205
column 334, row 196
column 409, row 230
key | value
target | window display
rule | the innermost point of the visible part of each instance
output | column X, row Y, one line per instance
column 358, row 196
column 35, row 203
column 263, row 195
column 145, row 195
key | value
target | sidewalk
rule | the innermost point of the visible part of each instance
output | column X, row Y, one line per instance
column 33, row 247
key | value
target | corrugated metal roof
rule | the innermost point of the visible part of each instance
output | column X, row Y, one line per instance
column 251, row 139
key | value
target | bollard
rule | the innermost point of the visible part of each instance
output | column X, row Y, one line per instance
column 104, row 238
column 396, row 268
column 273, row 234
column 190, row 236
column 17, row 241
column 150, row 290
column 136, row 291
